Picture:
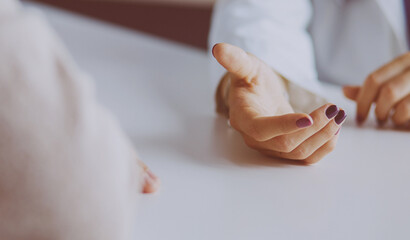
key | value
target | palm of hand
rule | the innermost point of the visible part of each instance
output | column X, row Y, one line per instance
column 260, row 95
column 260, row 111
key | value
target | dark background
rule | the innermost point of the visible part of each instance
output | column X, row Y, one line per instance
column 186, row 24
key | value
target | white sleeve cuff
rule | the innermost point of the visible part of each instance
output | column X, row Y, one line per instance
column 302, row 99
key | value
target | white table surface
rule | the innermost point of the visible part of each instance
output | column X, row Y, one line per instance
column 213, row 186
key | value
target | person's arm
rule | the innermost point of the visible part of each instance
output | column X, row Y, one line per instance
column 261, row 90
column 388, row 88
column 67, row 171
column 275, row 32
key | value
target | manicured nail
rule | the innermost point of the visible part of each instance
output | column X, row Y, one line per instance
column 304, row 122
column 331, row 111
column 341, row 116
column 338, row 130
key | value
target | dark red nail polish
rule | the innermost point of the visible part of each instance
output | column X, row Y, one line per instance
column 303, row 122
column 331, row 111
column 341, row 116
column 338, row 130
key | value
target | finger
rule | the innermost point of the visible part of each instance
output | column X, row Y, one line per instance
column 142, row 165
column 322, row 151
column 307, row 147
column 235, row 60
column 318, row 155
column 374, row 81
column 351, row 92
column 289, row 142
column 401, row 116
column 151, row 182
column 390, row 94
column 312, row 144
column 265, row 128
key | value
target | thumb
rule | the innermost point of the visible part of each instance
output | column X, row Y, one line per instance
column 351, row 92
column 234, row 60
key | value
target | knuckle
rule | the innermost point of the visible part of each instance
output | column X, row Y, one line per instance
column 268, row 153
column 234, row 123
column 313, row 160
column 373, row 79
column 255, row 132
column 248, row 127
column 250, row 143
column 284, row 144
column 300, row 153
column 401, row 115
column 329, row 132
column 396, row 120
column 404, row 108
column 331, row 146
column 388, row 93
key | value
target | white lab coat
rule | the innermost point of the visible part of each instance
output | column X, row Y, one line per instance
column 337, row 41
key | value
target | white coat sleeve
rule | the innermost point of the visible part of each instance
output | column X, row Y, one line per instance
column 276, row 32
column 67, row 171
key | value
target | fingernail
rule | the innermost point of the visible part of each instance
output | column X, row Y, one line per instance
column 341, row 116
column 338, row 130
column 331, row 111
column 304, row 122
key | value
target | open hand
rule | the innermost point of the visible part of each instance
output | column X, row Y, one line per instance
column 259, row 110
